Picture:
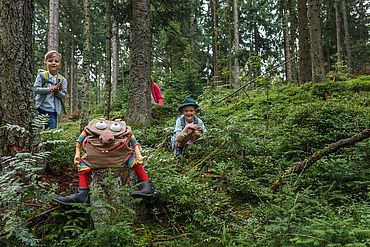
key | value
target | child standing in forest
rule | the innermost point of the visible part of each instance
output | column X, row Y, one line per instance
column 106, row 145
column 157, row 99
column 188, row 127
column 156, row 94
column 50, row 89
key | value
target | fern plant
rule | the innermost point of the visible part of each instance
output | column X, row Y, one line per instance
column 21, row 187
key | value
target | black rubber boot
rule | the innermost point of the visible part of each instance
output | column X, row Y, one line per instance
column 81, row 196
column 178, row 151
column 146, row 191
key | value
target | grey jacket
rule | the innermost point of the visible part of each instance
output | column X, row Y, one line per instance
column 41, row 91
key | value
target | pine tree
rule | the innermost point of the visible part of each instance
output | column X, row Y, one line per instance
column 139, row 110
column 16, row 97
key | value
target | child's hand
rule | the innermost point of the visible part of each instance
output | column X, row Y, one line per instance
column 192, row 127
column 77, row 159
column 140, row 159
column 56, row 88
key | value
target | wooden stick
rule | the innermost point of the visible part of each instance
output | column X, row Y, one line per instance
column 35, row 220
column 299, row 167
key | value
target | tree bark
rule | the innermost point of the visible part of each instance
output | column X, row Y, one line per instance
column 115, row 57
column 53, row 35
column 139, row 108
column 97, row 84
column 236, row 67
column 338, row 32
column 299, row 167
column 86, row 67
column 305, row 73
column 230, row 41
column 346, row 36
column 215, row 46
column 108, row 57
column 287, row 44
column 293, row 31
column 74, row 87
column 317, row 55
column 16, row 59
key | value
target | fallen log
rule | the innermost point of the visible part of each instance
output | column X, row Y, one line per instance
column 37, row 219
column 299, row 167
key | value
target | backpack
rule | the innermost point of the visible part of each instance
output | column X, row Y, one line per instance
column 99, row 155
column 45, row 77
column 45, row 80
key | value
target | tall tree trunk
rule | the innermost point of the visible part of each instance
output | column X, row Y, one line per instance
column 305, row 73
column 317, row 55
column 287, row 44
column 97, row 84
column 230, row 40
column 86, row 67
column 293, row 30
column 256, row 49
column 73, row 82
column 53, row 36
column 346, row 36
column 338, row 31
column 192, row 35
column 115, row 46
column 108, row 57
column 16, row 97
column 215, row 47
column 66, row 68
column 192, row 25
column 236, row 68
column 139, row 109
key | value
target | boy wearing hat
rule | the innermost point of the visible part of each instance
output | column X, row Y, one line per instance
column 188, row 127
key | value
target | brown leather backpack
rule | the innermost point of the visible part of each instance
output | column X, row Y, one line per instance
column 107, row 144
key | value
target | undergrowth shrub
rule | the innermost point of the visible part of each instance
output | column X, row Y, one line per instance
column 251, row 139
column 22, row 192
column 108, row 222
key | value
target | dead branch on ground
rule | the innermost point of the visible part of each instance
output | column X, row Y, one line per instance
column 299, row 167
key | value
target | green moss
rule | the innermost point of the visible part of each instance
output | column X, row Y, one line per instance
column 252, row 137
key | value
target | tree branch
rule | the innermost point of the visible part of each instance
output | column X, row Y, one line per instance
column 36, row 219
column 299, row 167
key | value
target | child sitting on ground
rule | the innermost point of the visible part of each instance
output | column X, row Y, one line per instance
column 188, row 127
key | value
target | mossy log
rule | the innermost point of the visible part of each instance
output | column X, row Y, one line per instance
column 299, row 167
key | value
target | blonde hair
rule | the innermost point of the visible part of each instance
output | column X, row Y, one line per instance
column 51, row 53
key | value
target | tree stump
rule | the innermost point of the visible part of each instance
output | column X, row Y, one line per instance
column 110, row 198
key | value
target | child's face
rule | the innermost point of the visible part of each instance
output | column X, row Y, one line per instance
column 53, row 64
column 189, row 113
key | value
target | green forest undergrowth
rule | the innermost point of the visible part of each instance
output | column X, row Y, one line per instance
column 252, row 138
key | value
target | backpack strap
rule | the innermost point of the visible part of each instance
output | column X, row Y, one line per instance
column 195, row 120
column 182, row 119
column 183, row 124
column 45, row 77
column 60, row 78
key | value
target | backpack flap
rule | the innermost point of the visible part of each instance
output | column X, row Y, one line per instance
column 117, row 128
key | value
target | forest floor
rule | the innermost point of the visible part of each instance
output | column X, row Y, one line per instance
column 251, row 140
column 66, row 179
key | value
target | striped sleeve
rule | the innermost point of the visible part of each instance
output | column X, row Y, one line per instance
column 82, row 137
column 133, row 141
